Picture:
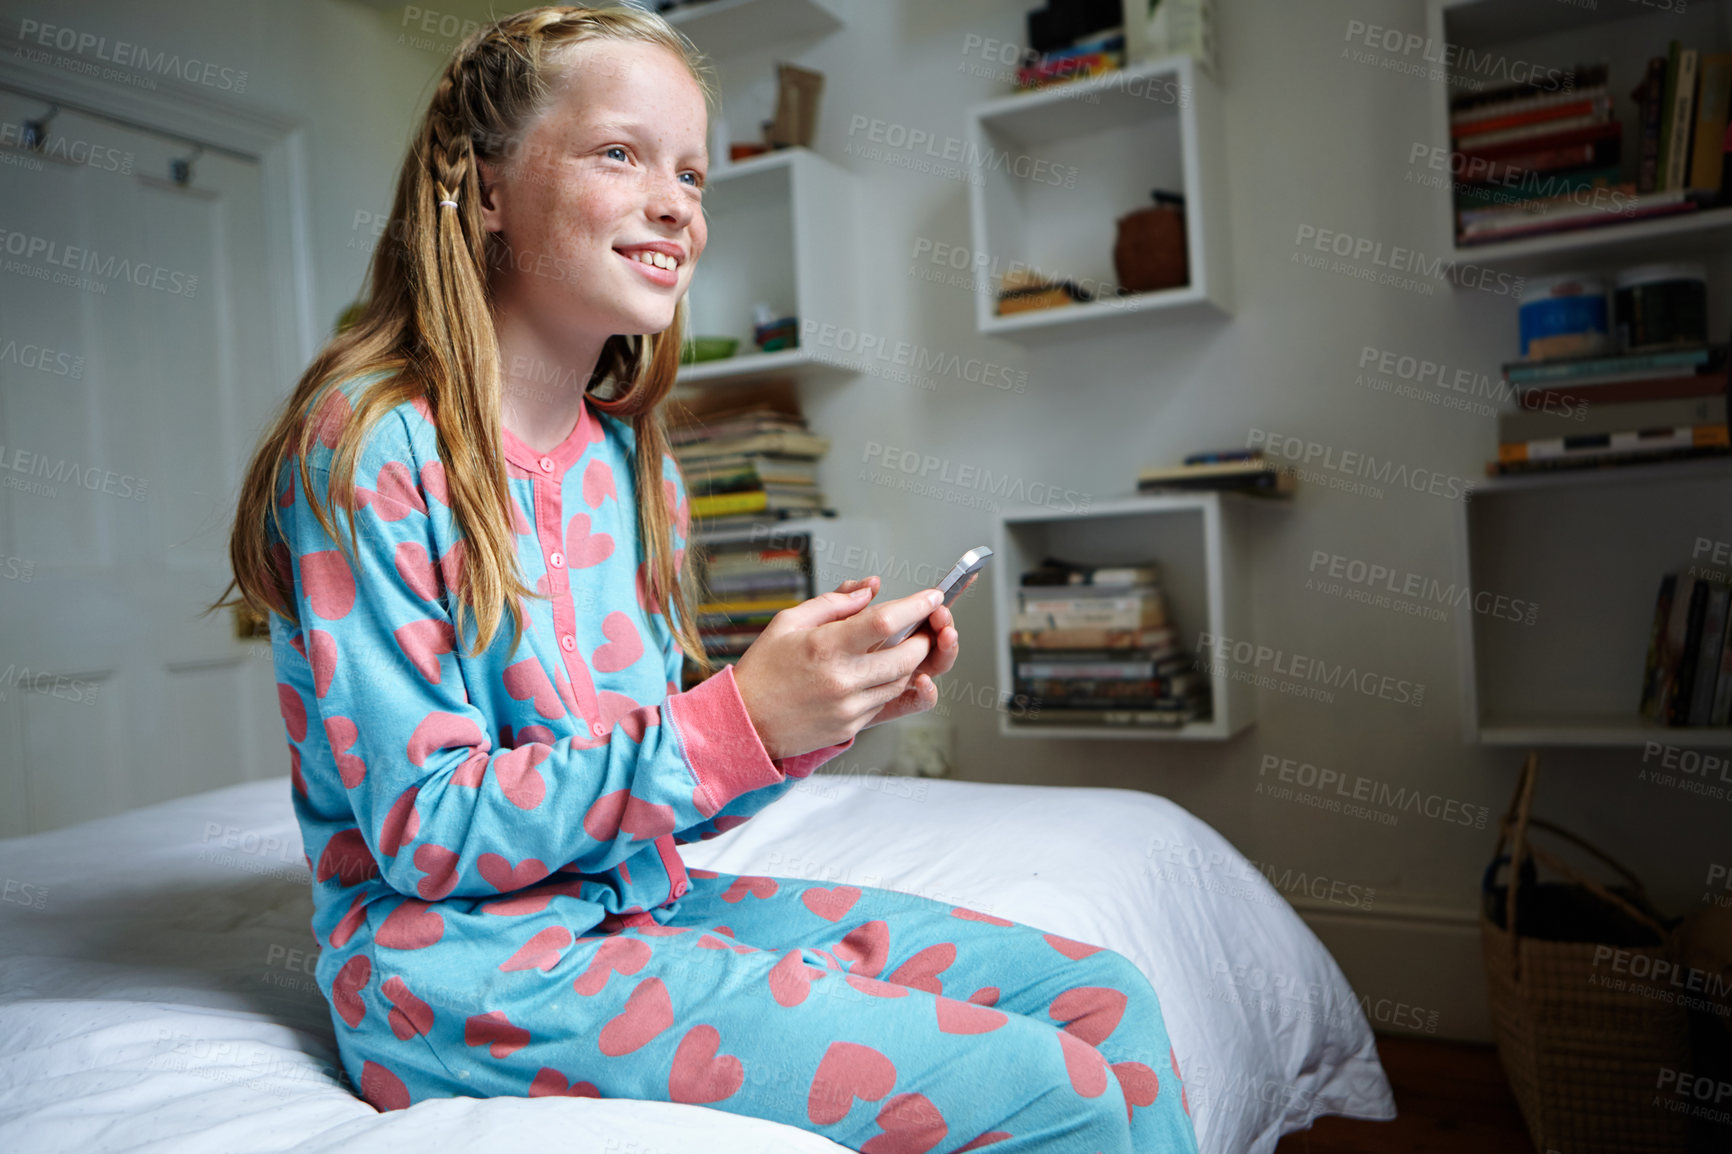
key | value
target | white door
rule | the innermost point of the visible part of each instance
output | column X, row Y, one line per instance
column 138, row 359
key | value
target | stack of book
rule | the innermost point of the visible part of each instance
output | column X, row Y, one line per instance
column 746, row 580
column 1534, row 158
column 1093, row 645
column 748, row 457
column 1072, row 41
column 1237, row 470
column 1688, row 680
column 1584, row 412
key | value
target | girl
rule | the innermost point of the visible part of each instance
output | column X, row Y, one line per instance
column 492, row 815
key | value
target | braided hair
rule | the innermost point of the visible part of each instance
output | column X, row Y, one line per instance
column 427, row 321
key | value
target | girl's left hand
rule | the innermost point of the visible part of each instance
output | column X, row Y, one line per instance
column 922, row 691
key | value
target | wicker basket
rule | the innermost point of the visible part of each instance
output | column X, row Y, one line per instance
column 1581, row 1047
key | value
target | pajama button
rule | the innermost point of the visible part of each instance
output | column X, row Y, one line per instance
column 546, row 464
column 597, row 728
column 568, row 643
column 557, row 560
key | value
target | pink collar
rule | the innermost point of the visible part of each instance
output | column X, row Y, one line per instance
column 559, row 458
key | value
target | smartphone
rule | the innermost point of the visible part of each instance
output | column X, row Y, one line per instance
column 960, row 577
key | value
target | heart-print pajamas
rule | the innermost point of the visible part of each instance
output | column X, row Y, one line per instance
column 499, row 901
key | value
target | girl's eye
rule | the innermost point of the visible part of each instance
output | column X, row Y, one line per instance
column 616, row 153
column 696, row 181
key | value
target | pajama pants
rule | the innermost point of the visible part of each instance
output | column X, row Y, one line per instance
column 887, row 1022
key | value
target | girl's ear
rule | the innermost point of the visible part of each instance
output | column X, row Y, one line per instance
column 492, row 217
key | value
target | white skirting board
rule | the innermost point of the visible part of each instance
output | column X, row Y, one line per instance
column 1417, row 971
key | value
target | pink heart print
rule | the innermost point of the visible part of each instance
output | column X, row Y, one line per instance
column 701, row 1075
column 956, row 1017
column 791, row 979
column 396, row 496
column 831, row 904
column 495, row 1031
column 1140, row 1084
column 911, row 1125
column 527, row 681
column 322, row 656
column 409, row 1015
column 550, row 1083
column 342, row 734
column 626, row 955
column 382, row 1089
column 648, row 1011
column 758, row 887
column 423, row 643
column 1075, row 951
column 583, row 548
column 328, row 583
column 414, row 925
column 416, row 570
column 868, row 944
column 598, row 484
column 440, row 866
column 921, row 971
column 1087, row 1069
column 1092, row 1013
column 623, row 647
column 444, row 731
column 499, row 873
column 847, row 1071
column 541, row 952
column 401, row 824
column 347, row 858
column 518, row 778
column 346, row 989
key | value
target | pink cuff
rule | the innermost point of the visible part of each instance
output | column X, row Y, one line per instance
column 725, row 752
column 802, row 764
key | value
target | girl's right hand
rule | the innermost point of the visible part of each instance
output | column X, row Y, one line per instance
column 809, row 680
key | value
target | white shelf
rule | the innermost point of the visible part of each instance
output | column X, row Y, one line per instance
column 1614, row 731
column 1586, row 549
column 1125, row 133
column 773, row 237
column 729, row 27
column 1203, row 544
column 1552, row 34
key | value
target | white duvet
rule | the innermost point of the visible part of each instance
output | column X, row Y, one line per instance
column 156, row 988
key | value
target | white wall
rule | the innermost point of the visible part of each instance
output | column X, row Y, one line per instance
column 1313, row 139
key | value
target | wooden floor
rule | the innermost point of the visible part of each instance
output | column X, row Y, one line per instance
column 1450, row 1097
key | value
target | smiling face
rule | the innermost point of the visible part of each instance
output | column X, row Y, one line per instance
column 602, row 210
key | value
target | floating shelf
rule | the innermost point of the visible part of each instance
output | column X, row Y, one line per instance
column 729, row 27
column 1203, row 544
column 1586, row 550
column 773, row 237
column 1550, row 34
column 1053, row 170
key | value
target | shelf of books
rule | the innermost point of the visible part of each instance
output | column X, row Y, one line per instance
column 1572, row 130
column 1057, row 169
column 780, row 227
column 1101, row 615
column 1591, row 607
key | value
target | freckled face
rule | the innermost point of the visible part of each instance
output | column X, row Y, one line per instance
column 603, row 212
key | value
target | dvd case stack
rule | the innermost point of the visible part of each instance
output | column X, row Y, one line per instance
column 746, row 581
column 1094, row 645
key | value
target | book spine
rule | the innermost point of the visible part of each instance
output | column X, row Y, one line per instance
column 1651, row 97
column 1653, row 673
column 1708, row 656
column 1668, row 97
column 1683, row 117
column 1712, row 97
column 1684, row 683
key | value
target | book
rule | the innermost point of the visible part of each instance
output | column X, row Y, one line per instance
column 1649, row 96
column 1668, row 108
column 1567, row 397
column 1529, row 134
column 1653, row 674
column 1057, row 571
column 1598, row 368
column 1713, row 103
column 1582, row 76
column 1721, row 713
column 1171, row 714
column 1524, row 110
column 1610, row 460
column 1594, row 445
column 784, row 442
column 1683, row 681
column 1683, row 119
column 1708, row 654
column 1524, row 425
column 1677, row 632
column 1518, row 168
column 1097, row 638
column 1479, row 197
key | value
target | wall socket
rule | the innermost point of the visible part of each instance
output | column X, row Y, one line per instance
column 925, row 746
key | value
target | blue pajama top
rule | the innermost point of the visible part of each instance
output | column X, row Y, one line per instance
column 440, row 793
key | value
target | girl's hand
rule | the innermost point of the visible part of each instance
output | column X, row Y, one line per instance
column 810, row 681
column 922, row 691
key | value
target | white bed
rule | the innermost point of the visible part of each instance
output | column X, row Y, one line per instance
column 156, row 992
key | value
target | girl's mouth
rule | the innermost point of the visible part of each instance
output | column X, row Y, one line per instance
column 659, row 267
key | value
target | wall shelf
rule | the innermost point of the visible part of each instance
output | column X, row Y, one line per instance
column 1051, row 172
column 772, row 238
column 1203, row 543
column 1587, row 549
column 730, row 27
column 1549, row 34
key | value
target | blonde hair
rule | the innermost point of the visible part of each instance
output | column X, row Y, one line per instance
column 427, row 322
